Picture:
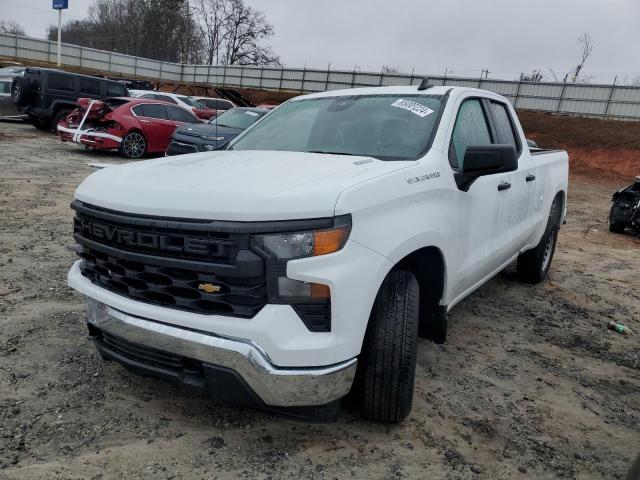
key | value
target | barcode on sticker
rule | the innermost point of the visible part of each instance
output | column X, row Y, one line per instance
column 413, row 107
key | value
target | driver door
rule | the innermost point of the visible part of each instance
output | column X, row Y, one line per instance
column 481, row 232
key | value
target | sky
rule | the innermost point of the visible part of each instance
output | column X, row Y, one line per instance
column 463, row 36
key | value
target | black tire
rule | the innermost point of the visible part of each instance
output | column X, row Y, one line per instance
column 20, row 91
column 533, row 265
column 134, row 145
column 387, row 365
column 617, row 224
column 38, row 123
column 59, row 115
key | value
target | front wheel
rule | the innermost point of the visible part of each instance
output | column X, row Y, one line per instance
column 38, row 123
column 387, row 365
column 133, row 145
column 533, row 265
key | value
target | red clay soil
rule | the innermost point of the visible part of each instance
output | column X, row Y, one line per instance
column 607, row 148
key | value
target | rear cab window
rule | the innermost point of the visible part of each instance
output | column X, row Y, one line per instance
column 505, row 127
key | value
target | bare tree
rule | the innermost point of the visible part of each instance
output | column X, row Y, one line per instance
column 586, row 47
column 636, row 82
column 244, row 30
column 389, row 70
column 11, row 27
column 159, row 29
column 212, row 16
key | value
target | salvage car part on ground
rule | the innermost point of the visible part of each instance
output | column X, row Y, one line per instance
column 625, row 210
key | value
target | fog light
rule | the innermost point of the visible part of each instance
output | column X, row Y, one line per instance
column 289, row 288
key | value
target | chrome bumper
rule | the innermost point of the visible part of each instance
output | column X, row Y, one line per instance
column 278, row 387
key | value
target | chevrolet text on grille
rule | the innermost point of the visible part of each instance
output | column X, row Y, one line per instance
column 168, row 243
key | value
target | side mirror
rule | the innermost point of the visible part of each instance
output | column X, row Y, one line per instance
column 484, row 160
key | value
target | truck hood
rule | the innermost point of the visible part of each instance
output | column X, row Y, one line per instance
column 232, row 185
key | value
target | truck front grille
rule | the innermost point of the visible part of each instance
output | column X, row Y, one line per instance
column 181, row 264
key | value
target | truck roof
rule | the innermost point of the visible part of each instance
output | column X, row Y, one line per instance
column 393, row 90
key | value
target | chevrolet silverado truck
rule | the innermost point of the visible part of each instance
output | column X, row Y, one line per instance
column 301, row 264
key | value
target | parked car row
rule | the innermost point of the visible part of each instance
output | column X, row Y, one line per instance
column 102, row 114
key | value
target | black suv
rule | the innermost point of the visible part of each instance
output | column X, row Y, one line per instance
column 48, row 95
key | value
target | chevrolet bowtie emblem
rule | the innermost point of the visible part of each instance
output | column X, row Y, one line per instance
column 209, row 287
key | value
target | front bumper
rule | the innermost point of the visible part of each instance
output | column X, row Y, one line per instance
column 273, row 386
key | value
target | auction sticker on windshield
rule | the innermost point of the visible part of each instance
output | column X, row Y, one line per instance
column 413, row 107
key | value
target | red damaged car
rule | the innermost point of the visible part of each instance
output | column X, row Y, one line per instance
column 134, row 126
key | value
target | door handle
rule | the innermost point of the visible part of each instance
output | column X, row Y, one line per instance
column 145, row 121
column 504, row 186
column 530, row 178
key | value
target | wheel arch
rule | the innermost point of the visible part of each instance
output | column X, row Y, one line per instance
column 428, row 264
column 562, row 197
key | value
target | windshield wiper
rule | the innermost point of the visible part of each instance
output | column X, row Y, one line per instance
column 333, row 153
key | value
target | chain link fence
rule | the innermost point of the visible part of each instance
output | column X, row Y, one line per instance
column 612, row 101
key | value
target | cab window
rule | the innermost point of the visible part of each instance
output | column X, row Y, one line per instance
column 504, row 125
column 471, row 129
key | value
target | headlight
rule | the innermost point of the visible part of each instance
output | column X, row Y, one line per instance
column 212, row 139
column 288, row 246
column 312, row 301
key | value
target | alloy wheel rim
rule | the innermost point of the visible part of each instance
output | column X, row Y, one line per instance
column 134, row 145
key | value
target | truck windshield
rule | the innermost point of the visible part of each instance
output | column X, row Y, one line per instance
column 387, row 127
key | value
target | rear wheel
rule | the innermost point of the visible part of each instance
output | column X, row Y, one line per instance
column 133, row 145
column 533, row 265
column 387, row 365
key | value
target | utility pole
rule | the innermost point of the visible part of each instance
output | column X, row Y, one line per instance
column 60, row 5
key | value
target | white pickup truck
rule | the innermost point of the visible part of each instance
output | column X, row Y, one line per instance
column 301, row 264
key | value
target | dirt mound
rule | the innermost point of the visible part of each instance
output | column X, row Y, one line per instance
column 609, row 148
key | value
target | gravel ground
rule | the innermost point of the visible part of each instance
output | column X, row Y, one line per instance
column 530, row 384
